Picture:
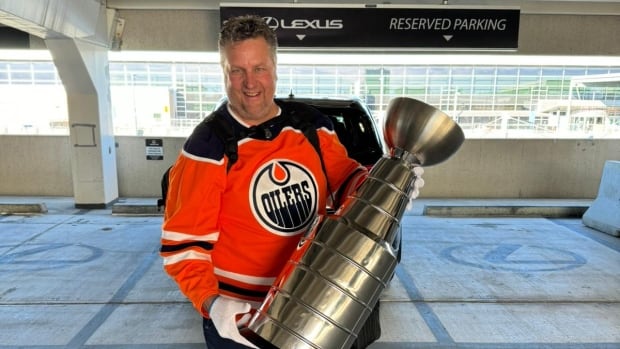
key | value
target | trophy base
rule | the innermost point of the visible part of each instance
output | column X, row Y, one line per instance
column 256, row 339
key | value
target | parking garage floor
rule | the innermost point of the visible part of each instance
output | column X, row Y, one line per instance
column 72, row 278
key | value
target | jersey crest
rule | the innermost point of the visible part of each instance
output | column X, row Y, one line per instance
column 283, row 197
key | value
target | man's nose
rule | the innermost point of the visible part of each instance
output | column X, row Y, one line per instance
column 250, row 79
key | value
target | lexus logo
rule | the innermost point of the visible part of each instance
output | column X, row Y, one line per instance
column 319, row 24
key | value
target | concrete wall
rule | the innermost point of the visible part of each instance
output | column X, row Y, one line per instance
column 35, row 165
column 568, row 35
column 522, row 169
column 137, row 176
column 540, row 34
column 506, row 168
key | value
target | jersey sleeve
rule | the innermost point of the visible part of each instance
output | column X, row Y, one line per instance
column 190, row 228
column 342, row 171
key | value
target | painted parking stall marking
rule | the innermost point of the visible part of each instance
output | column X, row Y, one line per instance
column 513, row 257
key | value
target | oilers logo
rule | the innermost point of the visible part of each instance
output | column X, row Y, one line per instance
column 283, row 197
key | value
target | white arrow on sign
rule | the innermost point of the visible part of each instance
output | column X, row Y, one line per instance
column 447, row 37
column 301, row 36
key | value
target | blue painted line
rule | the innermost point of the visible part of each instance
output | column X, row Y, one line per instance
column 377, row 345
column 410, row 345
column 149, row 346
column 604, row 239
column 127, row 346
column 429, row 317
column 89, row 329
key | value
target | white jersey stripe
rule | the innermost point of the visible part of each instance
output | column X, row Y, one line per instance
column 186, row 255
column 248, row 279
column 174, row 236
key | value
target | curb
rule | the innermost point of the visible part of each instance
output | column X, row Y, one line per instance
column 136, row 209
column 6, row 209
column 505, row 211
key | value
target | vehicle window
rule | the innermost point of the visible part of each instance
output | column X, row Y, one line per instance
column 357, row 133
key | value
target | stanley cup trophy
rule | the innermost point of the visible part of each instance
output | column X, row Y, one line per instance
column 334, row 279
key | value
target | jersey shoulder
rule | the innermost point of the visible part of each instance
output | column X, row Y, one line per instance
column 305, row 113
column 208, row 138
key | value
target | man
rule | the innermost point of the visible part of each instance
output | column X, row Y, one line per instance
column 228, row 232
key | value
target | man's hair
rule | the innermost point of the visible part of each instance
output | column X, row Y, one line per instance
column 245, row 27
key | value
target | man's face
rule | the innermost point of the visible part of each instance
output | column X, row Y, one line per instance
column 250, row 80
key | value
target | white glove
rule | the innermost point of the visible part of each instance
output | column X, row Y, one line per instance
column 223, row 313
column 418, row 171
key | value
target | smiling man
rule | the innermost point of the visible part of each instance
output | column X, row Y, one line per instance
column 233, row 219
column 250, row 76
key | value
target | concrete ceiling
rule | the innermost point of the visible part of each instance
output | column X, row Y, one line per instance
column 84, row 19
column 591, row 7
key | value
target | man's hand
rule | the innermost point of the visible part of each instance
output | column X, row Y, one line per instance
column 223, row 313
column 418, row 171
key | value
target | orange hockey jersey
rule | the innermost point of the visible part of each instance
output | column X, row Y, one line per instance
column 230, row 233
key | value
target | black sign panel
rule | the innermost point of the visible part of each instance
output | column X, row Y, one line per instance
column 400, row 28
column 154, row 148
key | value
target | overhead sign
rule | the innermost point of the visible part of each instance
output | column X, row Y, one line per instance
column 388, row 27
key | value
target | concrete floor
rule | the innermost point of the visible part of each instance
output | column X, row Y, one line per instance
column 73, row 278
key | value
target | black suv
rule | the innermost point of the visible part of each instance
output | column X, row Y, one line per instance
column 353, row 124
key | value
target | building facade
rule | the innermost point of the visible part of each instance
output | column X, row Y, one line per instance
column 489, row 96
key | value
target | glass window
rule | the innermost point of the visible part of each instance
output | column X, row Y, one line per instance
column 157, row 67
column 161, row 79
column 45, row 77
column 435, row 71
column 43, row 66
column 530, row 97
column 597, row 71
column 351, row 71
column 575, row 71
column 134, row 68
column 19, row 66
column 139, row 78
column 21, row 77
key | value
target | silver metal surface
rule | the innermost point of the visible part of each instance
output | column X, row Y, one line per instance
column 333, row 280
column 421, row 130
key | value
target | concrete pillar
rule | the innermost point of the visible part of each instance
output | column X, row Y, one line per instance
column 83, row 69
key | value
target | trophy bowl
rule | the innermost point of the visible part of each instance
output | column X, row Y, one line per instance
column 421, row 130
